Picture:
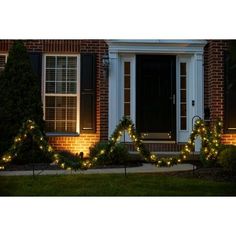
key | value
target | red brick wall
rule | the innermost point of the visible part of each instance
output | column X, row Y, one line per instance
column 213, row 85
column 214, row 82
column 82, row 142
column 214, row 77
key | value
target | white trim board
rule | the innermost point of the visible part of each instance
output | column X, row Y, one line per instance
column 157, row 46
column 192, row 50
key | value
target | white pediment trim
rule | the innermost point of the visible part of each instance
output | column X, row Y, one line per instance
column 156, row 46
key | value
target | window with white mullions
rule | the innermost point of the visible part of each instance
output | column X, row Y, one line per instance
column 3, row 59
column 61, row 95
column 183, row 96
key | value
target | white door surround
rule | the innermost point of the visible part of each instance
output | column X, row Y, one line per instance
column 186, row 51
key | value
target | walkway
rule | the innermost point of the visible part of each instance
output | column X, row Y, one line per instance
column 146, row 168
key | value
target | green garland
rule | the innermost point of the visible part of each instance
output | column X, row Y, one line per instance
column 210, row 145
column 211, row 140
column 125, row 124
column 30, row 128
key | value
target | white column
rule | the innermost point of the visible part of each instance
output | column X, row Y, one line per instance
column 113, row 92
column 198, row 90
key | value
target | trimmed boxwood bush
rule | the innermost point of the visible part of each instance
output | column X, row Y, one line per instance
column 227, row 158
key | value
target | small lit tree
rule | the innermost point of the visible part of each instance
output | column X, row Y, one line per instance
column 20, row 96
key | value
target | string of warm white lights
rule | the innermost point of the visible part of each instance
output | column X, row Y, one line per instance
column 211, row 140
column 210, row 145
column 30, row 128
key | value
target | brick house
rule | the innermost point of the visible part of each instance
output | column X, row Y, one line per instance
column 88, row 85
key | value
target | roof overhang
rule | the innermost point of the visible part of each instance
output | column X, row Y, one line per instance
column 156, row 46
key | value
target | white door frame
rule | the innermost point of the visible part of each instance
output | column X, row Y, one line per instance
column 189, row 50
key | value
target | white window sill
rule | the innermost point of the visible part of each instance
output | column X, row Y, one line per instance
column 62, row 134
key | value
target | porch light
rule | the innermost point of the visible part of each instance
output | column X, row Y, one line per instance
column 106, row 64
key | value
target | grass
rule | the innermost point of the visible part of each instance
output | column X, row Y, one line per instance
column 113, row 185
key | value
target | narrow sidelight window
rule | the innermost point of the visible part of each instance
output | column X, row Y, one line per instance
column 183, row 96
column 127, row 89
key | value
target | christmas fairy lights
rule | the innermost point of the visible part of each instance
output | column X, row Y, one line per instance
column 211, row 144
column 30, row 128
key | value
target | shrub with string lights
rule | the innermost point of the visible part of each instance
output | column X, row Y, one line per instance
column 125, row 124
column 211, row 140
column 30, row 128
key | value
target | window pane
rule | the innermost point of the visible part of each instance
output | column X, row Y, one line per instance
column 183, row 82
column 127, row 81
column 183, row 110
column 71, row 75
column 71, row 87
column 183, row 96
column 61, row 62
column 71, row 114
column 71, row 126
column 61, row 75
column 127, row 95
column 2, row 63
column 127, row 68
column 60, row 101
column 50, row 114
column 183, row 68
column 183, row 123
column 60, row 126
column 2, row 60
column 60, row 113
column 50, row 62
column 72, row 62
column 127, row 109
column 71, row 102
column 50, row 87
column 50, row 75
column 49, row 101
column 61, row 87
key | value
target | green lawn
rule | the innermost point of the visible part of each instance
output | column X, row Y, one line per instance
column 113, row 185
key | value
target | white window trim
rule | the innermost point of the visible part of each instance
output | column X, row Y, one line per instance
column 43, row 94
column 6, row 56
column 128, row 58
column 182, row 135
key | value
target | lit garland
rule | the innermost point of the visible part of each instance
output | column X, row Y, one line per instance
column 30, row 128
column 211, row 140
column 210, row 145
column 126, row 124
